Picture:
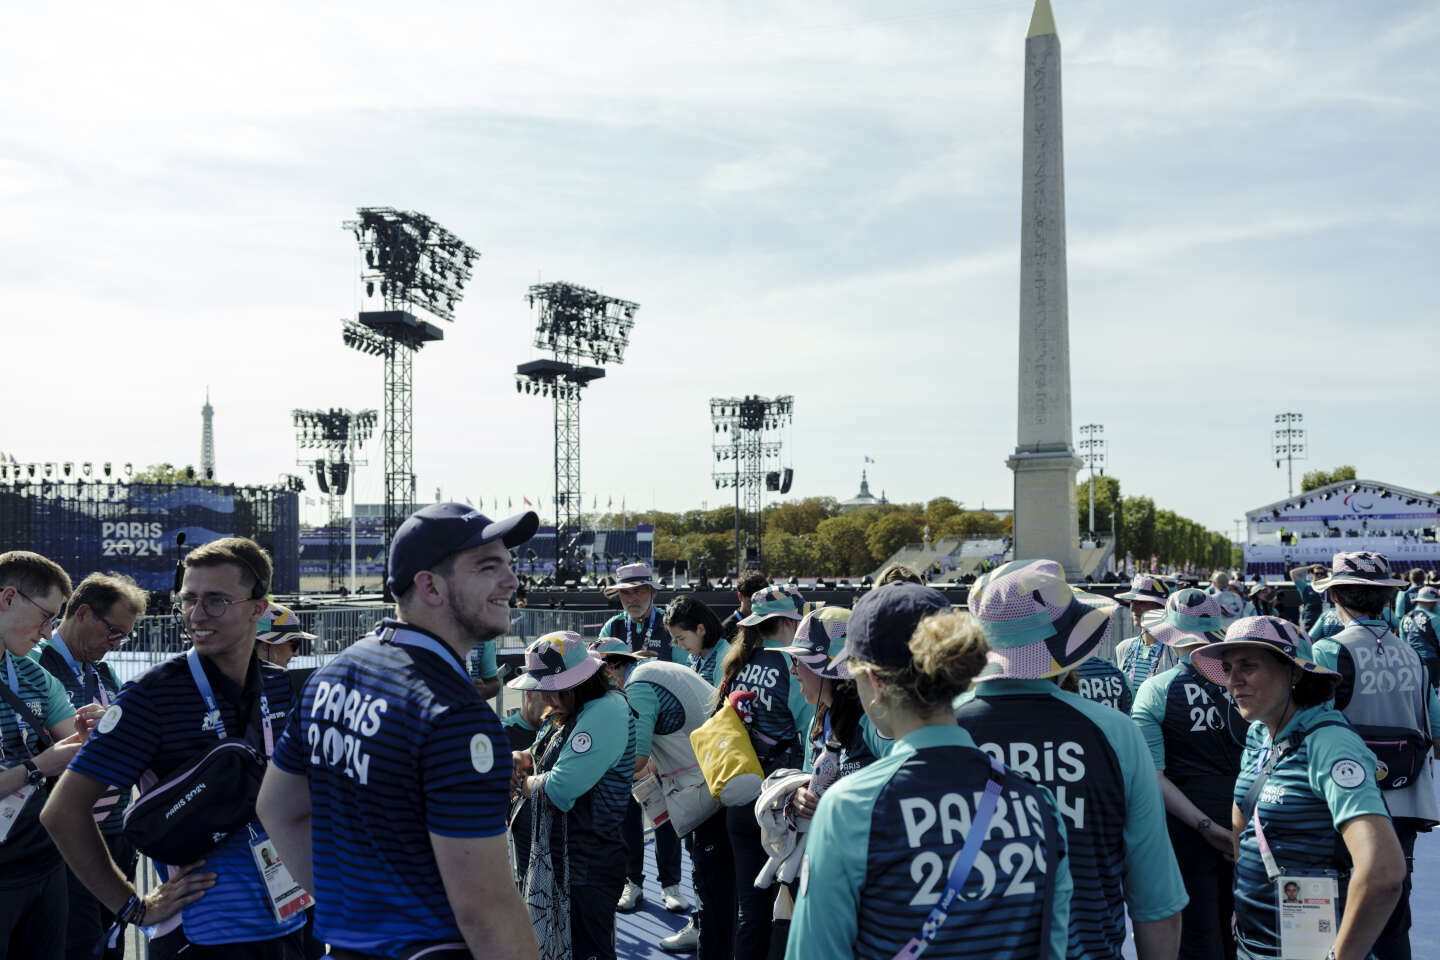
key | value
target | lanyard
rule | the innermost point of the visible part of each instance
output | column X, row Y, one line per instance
column 78, row 670
column 979, row 827
column 1134, row 655
column 644, row 637
column 409, row 638
column 208, row 695
column 15, row 689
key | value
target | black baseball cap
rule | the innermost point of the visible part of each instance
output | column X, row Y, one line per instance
column 432, row 533
column 883, row 621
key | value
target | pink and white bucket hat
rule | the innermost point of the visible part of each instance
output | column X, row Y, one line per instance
column 557, row 661
column 1035, row 624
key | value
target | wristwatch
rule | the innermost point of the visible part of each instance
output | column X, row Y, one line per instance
column 33, row 776
column 1203, row 825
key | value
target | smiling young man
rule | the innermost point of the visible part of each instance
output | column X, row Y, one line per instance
column 157, row 727
column 100, row 615
column 32, row 879
column 390, row 787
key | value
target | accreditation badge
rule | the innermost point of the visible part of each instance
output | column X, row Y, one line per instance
column 286, row 897
column 1307, row 919
column 11, row 805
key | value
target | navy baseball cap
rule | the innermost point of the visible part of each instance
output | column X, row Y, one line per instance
column 433, row 533
column 883, row 621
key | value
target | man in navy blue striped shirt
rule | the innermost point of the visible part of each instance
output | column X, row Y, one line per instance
column 157, row 727
column 390, row 787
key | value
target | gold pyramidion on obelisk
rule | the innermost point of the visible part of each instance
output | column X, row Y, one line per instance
column 1046, row 521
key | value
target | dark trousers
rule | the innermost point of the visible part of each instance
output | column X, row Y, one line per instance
column 1394, row 941
column 667, row 849
column 1209, row 882
column 31, row 918
column 89, row 919
column 754, row 907
column 289, row 947
column 592, row 919
column 713, row 873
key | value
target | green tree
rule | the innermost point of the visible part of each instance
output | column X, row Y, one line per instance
column 787, row 554
column 844, row 540
column 1107, row 495
column 893, row 531
column 939, row 510
column 799, row 517
column 168, row 473
column 1315, row 479
column 971, row 525
column 1139, row 514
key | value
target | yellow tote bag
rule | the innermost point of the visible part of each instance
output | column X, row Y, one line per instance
column 727, row 758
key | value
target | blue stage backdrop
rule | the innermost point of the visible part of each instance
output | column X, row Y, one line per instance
column 131, row 528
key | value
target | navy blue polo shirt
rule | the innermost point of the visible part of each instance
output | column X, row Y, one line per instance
column 86, row 683
column 397, row 745
column 647, row 633
column 1100, row 681
column 156, row 727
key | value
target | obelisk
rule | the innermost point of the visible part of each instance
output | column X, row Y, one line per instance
column 1046, row 522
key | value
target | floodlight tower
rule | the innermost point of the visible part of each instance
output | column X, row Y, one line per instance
column 1289, row 443
column 1092, row 451
column 750, row 425
column 327, row 442
column 574, row 323
column 411, row 262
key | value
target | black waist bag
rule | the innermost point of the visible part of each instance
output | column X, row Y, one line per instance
column 1400, row 754
column 181, row 820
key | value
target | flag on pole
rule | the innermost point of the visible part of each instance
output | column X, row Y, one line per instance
column 610, row 503
column 470, row 503
column 527, row 501
column 509, row 503
column 868, row 460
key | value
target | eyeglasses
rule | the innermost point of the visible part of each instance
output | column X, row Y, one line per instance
column 214, row 605
column 51, row 617
column 115, row 633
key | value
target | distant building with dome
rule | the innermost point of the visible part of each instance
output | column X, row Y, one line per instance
column 864, row 498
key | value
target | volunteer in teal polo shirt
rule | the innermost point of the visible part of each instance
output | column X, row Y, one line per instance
column 1091, row 756
column 885, row 839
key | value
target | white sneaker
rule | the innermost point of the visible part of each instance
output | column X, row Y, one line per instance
column 630, row 897
column 685, row 941
column 673, row 899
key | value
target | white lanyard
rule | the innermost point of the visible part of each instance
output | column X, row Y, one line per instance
column 78, row 670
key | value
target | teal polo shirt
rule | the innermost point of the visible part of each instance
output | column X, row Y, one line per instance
column 879, row 848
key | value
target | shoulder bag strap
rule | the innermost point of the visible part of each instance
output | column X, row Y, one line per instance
column 24, row 713
column 1278, row 752
column 979, row 827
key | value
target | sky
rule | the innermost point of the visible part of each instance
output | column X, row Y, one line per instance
column 818, row 199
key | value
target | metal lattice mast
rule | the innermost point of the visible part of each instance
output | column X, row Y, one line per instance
column 411, row 262
column 327, row 442
column 573, row 323
column 399, row 439
column 1289, row 442
column 752, row 444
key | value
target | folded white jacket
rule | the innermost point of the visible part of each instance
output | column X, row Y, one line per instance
column 782, row 840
